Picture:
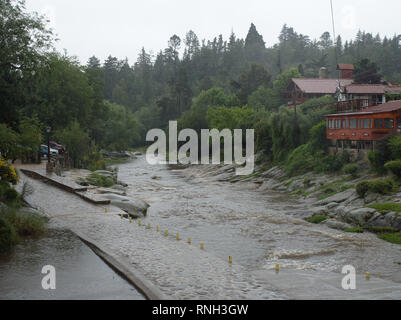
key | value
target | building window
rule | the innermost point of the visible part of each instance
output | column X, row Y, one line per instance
column 389, row 123
column 366, row 123
column 352, row 123
column 345, row 124
column 399, row 122
column 338, row 124
column 378, row 123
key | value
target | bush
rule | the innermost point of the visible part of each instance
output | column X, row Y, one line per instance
column 351, row 169
column 394, row 167
column 383, row 186
column 316, row 219
column 300, row 161
column 329, row 164
column 362, row 188
column 100, row 181
column 394, row 145
column 8, row 235
column 26, row 224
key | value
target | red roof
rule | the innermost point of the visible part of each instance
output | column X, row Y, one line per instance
column 345, row 67
column 366, row 89
column 320, row 86
column 390, row 106
column 393, row 89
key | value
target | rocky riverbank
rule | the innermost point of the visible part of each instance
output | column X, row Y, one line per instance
column 332, row 197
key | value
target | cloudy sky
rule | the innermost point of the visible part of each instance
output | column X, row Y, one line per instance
column 123, row 27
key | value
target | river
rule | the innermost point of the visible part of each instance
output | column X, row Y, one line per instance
column 258, row 229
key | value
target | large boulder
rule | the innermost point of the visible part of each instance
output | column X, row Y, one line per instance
column 338, row 225
column 339, row 197
column 396, row 223
column 359, row 216
column 134, row 207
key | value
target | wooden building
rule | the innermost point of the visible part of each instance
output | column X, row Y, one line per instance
column 366, row 126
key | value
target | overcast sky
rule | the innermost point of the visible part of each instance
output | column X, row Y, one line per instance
column 122, row 27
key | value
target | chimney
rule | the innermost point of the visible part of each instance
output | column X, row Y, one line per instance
column 346, row 71
column 323, row 73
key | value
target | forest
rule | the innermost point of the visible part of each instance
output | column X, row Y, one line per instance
column 218, row 83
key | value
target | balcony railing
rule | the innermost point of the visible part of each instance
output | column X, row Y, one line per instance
column 355, row 105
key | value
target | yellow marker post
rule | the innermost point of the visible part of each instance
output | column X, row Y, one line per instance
column 178, row 236
column 189, row 240
column 230, row 259
column 367, row 275
column 157, row 228
column 277, row 267
column 202, row 245
column 139, row 222
column 148, row 225
column 121, row 216
column 130, row 219
column 166, row 233
column 105, row 210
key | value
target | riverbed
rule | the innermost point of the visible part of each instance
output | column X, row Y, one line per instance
column 258, row 229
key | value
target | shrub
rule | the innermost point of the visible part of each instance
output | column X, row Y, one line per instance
column 316, row 219
column 394, row 145
column 329, row 164
column 394, row 167
column 362, row 188
column 381, row 186
column 7, row 172
column 100, row 181
column 8, row 235
column 351, row 169
column 300, row 161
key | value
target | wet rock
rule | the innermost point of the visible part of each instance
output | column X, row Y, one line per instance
column 268, row 185
column 138, row 154
column 359, row 216
column 122, row 184
column 105, row 173
column 134, row 207
column 339, row 197
column 120, row 187
column 371, row 197
column 274, row 173
column 296, row 185
column 320, row 211
column 396, row 223
column 379, row 222
column 332, row 205
column 112, row 191
column 338, row 225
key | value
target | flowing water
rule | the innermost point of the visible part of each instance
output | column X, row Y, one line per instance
column 257, row 229
column 80, row 274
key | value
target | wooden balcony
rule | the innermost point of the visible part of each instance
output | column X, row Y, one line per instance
column 356, row 105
